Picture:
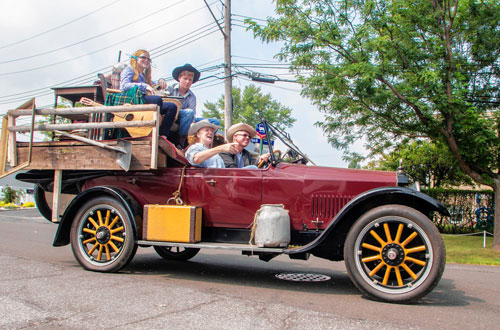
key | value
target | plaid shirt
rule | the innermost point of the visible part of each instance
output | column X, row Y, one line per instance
column 132, row 96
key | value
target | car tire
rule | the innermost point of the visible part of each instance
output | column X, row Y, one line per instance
column 394, row 253
column 102, row 235
column 176, row 253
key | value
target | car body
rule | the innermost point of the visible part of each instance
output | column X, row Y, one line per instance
column 329, row 208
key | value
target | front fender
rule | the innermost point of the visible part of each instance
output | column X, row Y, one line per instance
column 338, row 228
column 63, row 230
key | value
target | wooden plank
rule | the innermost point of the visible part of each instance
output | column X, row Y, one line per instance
column 98, row 125
column 143, row 141
column 11, row 122
column 56, row 195
column 71, row 155
column 85, row 110
column 154, row 140
column 4, row 145
column 12, row 158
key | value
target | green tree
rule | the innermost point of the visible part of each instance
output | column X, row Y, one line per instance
column 64, row 103
column 9, row 195
column 431, row 164
column 248, row 106
column 386, row 70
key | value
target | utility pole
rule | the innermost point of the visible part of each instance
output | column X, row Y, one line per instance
column 228, row 83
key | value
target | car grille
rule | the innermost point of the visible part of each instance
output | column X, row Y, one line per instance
column 328, row 205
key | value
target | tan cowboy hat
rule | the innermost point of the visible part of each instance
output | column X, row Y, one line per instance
column 195, row 127
column 240, row 127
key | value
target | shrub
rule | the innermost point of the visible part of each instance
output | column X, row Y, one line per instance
column 10, row 206
column 28, row 204
column 9, row 194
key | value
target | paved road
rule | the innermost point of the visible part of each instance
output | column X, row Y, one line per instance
column 43, row 287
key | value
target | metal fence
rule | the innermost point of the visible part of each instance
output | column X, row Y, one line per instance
column 470, row 210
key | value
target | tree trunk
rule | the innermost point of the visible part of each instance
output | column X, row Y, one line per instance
column 496, row 231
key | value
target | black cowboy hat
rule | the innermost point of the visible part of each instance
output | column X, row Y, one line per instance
column 186, row 67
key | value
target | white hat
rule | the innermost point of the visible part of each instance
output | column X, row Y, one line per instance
column 195, row 127
column 240, row 127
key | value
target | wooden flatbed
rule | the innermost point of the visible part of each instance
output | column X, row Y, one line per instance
column 78, row 144
column 76, row 155
column 77, row 151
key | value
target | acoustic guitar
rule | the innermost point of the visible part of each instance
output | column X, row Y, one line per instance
column 133, row 116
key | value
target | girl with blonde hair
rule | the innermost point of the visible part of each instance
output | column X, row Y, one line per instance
column 138, row 74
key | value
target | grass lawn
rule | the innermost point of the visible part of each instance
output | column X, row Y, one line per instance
column 469, row 250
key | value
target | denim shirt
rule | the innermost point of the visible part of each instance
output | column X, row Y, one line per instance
column 188, row 101
column 214, row 161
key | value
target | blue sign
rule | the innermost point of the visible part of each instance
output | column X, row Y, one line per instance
column 261, row 130
column 264, row 141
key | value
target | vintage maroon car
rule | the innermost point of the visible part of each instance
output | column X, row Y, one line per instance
column 382, row 230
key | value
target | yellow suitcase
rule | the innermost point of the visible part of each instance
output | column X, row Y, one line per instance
column 172, row 223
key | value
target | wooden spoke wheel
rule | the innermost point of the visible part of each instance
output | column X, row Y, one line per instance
column 102, row 236
column 394, row 253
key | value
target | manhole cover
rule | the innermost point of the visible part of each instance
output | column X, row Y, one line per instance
column 302, row 277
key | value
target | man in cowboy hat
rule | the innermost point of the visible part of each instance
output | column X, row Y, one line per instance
column 200, row 153
column 186, row 76
column 241, row 134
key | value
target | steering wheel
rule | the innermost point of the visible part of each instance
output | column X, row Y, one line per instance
column 275, row 152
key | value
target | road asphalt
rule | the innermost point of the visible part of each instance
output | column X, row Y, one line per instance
column 43, row 287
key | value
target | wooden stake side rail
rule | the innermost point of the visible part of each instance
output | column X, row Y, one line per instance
column 83, row 110
column 74, row 155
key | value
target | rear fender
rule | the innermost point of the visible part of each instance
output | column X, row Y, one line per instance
column 330, row 243
column 129, row 203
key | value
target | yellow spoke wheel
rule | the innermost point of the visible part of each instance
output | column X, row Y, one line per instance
column 394, row 253
column 102, row 235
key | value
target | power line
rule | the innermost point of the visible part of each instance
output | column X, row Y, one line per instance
column 60, row 26
column 99, row 70
column 168, row 44
column 270, row 85
column 158, row 52
column 107, row 47
column 186, row 43
column 94, row 37
column 257, row 59
column 254, row 18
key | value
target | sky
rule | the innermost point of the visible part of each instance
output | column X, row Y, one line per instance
column 54, row 43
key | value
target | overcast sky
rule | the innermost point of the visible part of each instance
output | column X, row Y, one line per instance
column 53, row 43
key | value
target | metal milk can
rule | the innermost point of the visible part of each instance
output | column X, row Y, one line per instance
column 272, row 226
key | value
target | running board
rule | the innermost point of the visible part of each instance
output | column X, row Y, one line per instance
column 222, row 246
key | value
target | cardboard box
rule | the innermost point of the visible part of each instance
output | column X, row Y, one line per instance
column 172, row 223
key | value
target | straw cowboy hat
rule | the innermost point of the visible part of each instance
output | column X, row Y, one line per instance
column 186, row 67
column 240, row 127
column 195, row 127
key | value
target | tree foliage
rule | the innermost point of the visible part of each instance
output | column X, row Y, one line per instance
column 9, row 194
column 249, row 105
column 387, row 70
column 431, row 164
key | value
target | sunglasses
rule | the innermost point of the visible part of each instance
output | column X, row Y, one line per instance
column 145, row 58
